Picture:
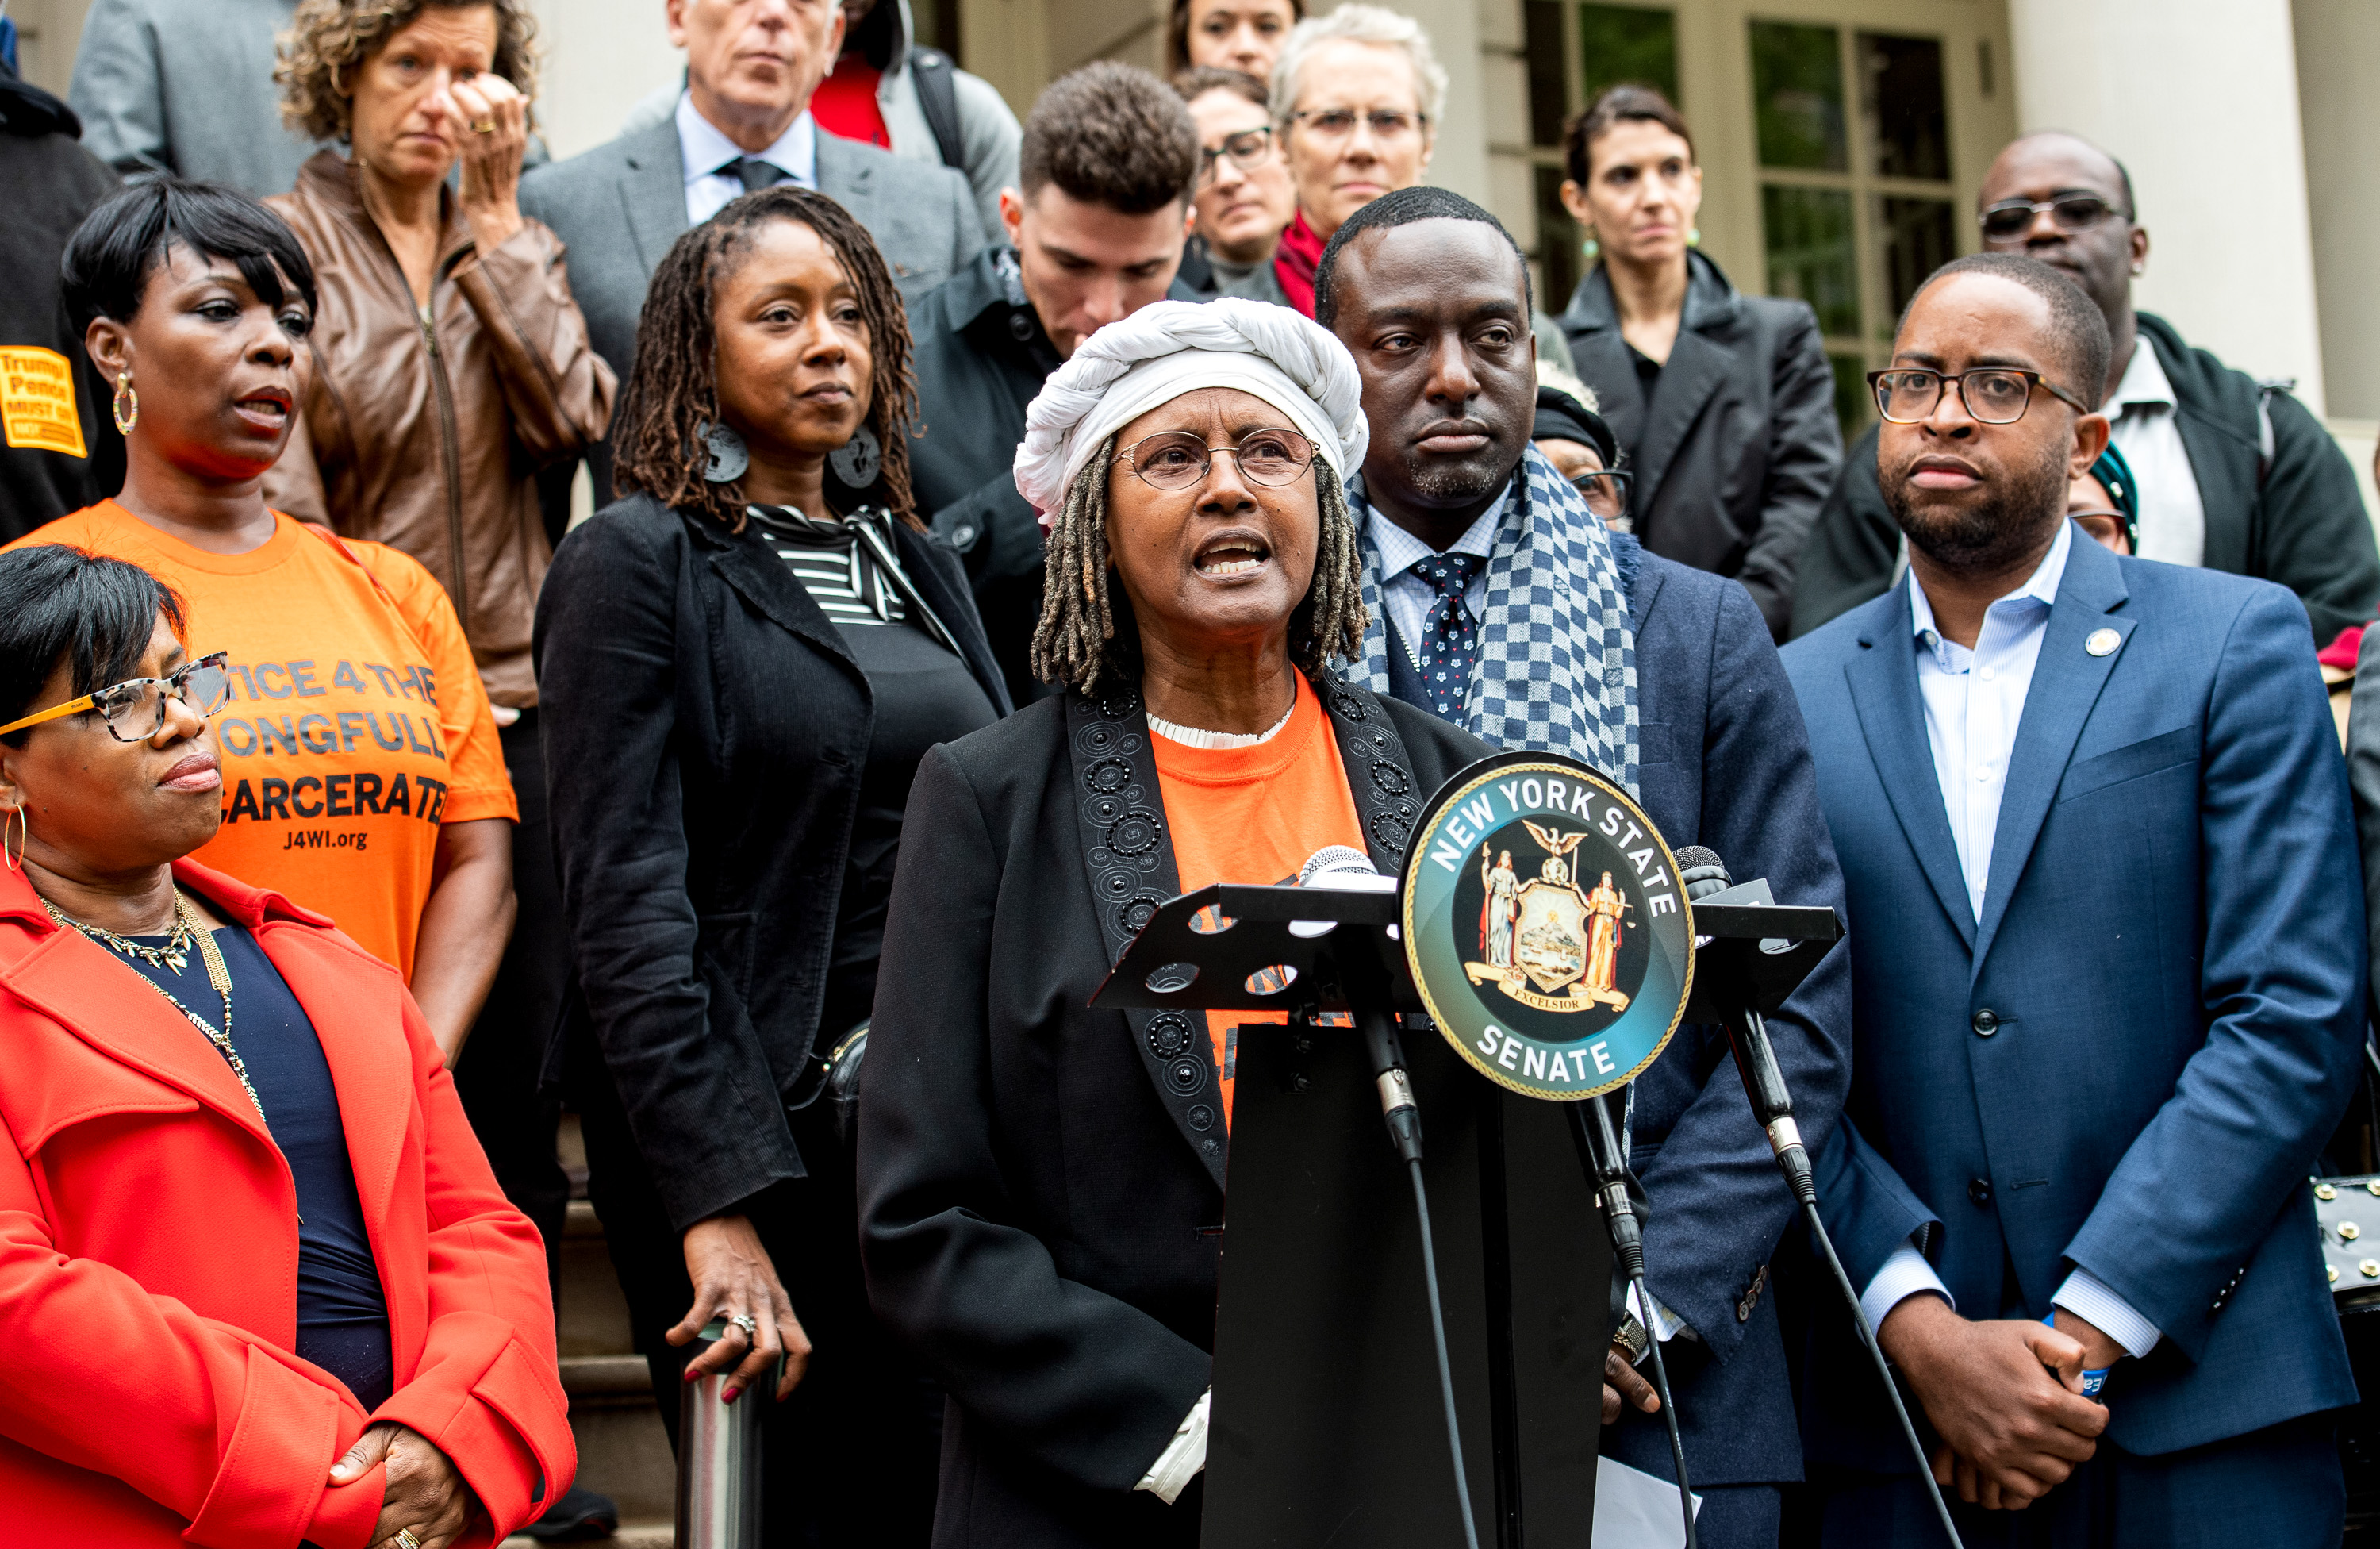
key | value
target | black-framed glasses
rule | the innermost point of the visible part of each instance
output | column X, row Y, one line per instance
column 1248, row 149
column 135, row 709
column 1995, row 396
column 2011, row 218
column 1179, row 459
column 1338, row 123
column 1605, row 492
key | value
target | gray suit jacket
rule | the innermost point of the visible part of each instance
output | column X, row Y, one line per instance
column 620, row 206
column 204, row 107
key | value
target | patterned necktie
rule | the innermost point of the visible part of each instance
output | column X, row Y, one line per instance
column 1449, row 636
column 756, row 174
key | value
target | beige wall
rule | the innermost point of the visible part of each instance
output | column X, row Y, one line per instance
column 47, row 32
column 2195, row 96
column 2339, row 62
column 601, row 58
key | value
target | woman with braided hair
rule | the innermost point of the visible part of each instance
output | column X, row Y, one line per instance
column 1041, row 1183
column 742, row 664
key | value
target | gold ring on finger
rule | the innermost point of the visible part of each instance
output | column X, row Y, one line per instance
column 404, row 1538
column 485, row 125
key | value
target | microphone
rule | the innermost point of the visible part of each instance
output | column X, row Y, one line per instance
column 1347, row 868
column 1703, row 874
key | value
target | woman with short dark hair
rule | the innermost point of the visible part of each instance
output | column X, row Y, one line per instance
column 256, row 1283
column 744, row 662
column 364, row 777
column 1242, row 36
column 1723, row 403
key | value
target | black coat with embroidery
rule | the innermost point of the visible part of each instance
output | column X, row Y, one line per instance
column 1037, row 1201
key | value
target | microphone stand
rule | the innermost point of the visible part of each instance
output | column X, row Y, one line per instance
column 1764, row 1084
column 1599, row 1145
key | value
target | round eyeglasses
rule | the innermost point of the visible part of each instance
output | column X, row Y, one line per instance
column 1605, row 492
column 1179, row 459
column 1994, row 396
column 1248, row 150
column 135, row 709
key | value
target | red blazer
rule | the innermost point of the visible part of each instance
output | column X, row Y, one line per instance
column 148, row 1259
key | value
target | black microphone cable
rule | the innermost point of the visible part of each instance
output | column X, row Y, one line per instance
column 1703, row 875
column 1599, row 1144
column 1403, row 1116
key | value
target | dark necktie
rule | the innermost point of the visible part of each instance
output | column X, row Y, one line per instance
column 1449, row 636
column 756, row 174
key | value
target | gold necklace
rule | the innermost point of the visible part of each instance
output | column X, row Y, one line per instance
column 174, row 954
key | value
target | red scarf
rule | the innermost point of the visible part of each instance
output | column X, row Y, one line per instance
column 1293, row 262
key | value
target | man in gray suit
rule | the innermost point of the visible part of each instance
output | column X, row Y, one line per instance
column 743, row 123
column 203, row 107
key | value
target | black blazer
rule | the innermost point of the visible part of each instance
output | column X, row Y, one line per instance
column 1041, row 1193
column 1738, row 448
column 705, row 732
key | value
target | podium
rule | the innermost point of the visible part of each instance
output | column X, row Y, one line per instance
column 1327, row 1426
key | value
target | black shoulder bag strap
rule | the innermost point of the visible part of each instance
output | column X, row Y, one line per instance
column 938, row 96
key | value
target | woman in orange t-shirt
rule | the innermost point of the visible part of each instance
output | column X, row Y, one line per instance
column 362, row 775
column 1041, row 1183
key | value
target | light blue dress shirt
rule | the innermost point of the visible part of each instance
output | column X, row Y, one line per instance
column 1405, row 596
column 703, row 151
column 1974, row 701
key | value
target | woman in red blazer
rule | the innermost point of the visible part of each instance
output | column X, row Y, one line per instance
column 257, row 1284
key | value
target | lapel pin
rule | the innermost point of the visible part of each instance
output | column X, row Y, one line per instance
column 2103, row 642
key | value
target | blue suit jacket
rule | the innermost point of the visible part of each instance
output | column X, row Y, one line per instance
column 2130, row 1063
column 1723, row 762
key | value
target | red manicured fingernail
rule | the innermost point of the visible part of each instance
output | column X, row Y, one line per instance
column 727, row 1395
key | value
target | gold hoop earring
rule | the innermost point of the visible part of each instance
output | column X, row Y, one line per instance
column 24, row 834
column 125, row 417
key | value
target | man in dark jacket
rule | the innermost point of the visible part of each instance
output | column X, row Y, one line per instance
column 2234, row 474
column 1459, row 516
column 1094, row 235
column 59, row 451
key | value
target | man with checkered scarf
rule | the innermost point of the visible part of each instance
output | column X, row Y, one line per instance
column 1499, row 601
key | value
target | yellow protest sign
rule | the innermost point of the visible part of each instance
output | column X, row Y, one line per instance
column 37, row 401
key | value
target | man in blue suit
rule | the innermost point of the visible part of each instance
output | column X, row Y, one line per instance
column 2107, row 963
column 1498, row 601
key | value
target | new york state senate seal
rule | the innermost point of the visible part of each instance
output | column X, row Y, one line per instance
column 1546, row 926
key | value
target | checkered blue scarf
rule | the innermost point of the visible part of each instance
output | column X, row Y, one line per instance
column 1557, row 669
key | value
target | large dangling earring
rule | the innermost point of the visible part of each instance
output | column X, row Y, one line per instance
column 16, row 858
column 725, row 455
column 126, row 406
column 1591, row 248
column 1694, row 237
column 857, row 461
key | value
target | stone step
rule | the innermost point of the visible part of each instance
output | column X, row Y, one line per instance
column 659, row 1534
column 623, row 1451
column 594, row 1315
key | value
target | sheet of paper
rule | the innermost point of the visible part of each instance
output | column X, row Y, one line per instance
column 1634, row 1510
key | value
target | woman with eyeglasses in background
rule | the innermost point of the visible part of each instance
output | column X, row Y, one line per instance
column 257, row 1284
column 1242, row 200
column 362, row 777
column 1724, row 403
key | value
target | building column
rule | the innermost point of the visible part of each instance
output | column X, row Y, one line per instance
column 2199, row 98
column 2339, row 59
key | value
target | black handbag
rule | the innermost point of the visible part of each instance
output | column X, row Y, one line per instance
column 2348, row 1208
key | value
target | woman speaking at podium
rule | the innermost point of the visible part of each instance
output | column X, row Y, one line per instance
column 1041, row 1184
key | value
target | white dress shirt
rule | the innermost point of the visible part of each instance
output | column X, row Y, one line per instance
column 708, row 158
column 1405, row 596
column 1974, row 701
column 2173, row 517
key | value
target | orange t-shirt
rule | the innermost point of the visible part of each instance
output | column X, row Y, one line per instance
column 353, row 731
column 1255, row 815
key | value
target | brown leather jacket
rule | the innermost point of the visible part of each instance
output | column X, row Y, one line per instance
column 428, row 436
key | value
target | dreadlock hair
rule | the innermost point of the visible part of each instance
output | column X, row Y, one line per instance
column 673, row 393
column 1088, row 639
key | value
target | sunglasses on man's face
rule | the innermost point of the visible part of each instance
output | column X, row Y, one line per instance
column 2010, row 219
column 135, row 709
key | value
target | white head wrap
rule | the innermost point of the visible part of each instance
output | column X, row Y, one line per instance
column 1172, row 348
